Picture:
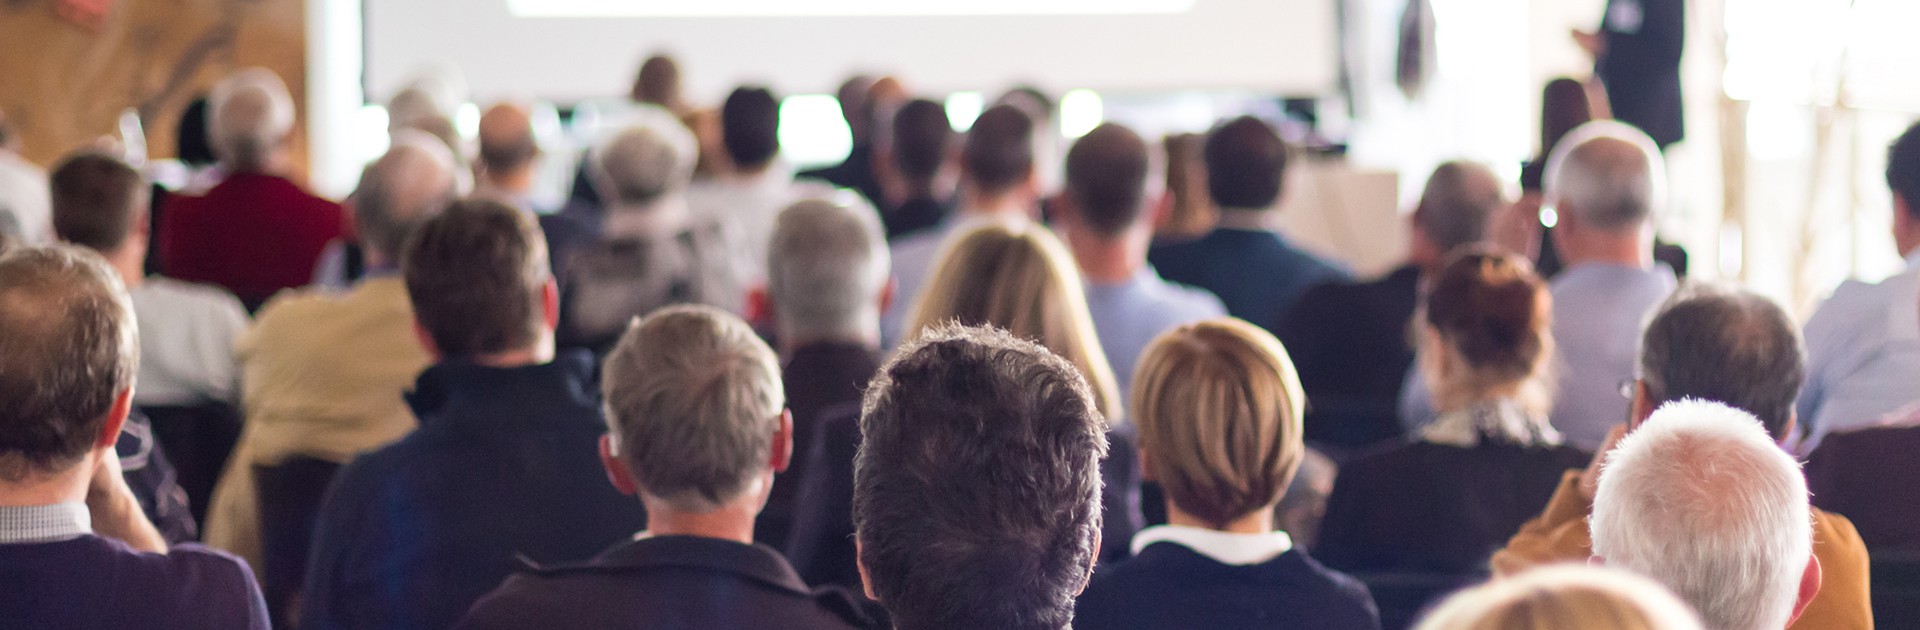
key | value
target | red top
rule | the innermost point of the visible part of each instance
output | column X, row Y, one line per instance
column 254, row 234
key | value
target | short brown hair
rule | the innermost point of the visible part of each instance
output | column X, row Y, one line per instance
column 68, row 347
column 976, row 496
column 1246, row 164
column 476, row 274
column 1218, row 404
column 1107, row 175
column 97, row 199
column 998, row 152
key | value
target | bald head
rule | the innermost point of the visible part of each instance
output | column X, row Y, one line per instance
column 249, row 115
column 1457, row 205
column 1108, row 175
column 414, row 180
column 507, row 144
column 1607, row 176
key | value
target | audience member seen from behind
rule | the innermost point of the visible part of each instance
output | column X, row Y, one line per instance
column 1606, row 180
column 1351, row 339
column 257, row 232
column 747, row 199
column 999, row 527
column 697, row 430
column 398, row 542
column 1256, row 272
column 1565, row 105
column 828, row 284
column 75, row 550
column 1564, row 597
column 996, row 184
column 1863, row 346
column 509, row 161
column 323, row 372
column 23, row 190
column 1862, row 473
column 1730, row 347
column 1218, row 408
column 1701, row 499
column 1106, row 216
column 857, row 171
column 649, row 253
column 922, row 151
column 1442, row 503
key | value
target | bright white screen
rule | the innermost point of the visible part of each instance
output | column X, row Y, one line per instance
column 573, row 49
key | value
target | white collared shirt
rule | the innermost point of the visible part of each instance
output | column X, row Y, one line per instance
column 1224, row 547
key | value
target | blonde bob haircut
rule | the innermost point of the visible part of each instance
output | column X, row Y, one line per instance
column 1218, row 406
column 1564, row 597
column 1017, row 276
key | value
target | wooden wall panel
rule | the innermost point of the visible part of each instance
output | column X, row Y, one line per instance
column 64, row 84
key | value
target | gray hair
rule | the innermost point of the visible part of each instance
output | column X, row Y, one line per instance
column 1608, row 174
column 413, row 181
column 1702, row 500
column 693, row 400
column 1458, row 204
column 826, row 268
column 1729, row 346
column 648, row 160
column 249, row 115
column 68, row 347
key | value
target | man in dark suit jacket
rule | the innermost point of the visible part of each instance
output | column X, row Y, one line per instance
column 502, row 465
column 699, row 429
column 1637, row 57
column 1351, row 340
column 1254, row 270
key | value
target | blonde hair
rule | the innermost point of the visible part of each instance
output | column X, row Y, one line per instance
column 1218, row 405
column 1564, row 597
column 1018, row 277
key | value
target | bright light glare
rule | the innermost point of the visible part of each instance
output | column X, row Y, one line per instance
column 466, row 120
column 1080, row 112
column 963, row 107
column 812, row 131
column 790, row 8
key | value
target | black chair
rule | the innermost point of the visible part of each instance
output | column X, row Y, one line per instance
column 1404, row 596
column 198, row 439
column 1896, row 587
column 289, row 497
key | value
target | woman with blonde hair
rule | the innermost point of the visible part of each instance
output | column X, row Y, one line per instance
column 1444, row 502
column 1564, row 597
column 1218, row 408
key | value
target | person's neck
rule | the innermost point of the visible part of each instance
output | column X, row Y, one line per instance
column 130, row 261
column 1109, row 259
column 912, row 189
column 745, row 174
column 516, row 183
column 68, row 486
column 540, row 353
column 733, row 521
column 791, row 342
column 1002, row 204
column 1258, row 522
column 1631, row 249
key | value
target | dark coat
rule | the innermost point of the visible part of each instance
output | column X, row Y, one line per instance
column 818, row 378
column 1641, row 65
column 1257, row 274
column 1351, row 343
column 1171, row 587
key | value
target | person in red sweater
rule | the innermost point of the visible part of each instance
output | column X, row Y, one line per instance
column 256, row 232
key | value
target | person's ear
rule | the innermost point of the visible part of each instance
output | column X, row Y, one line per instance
column 426, row 341
column 888, row 292
column 782, row 443
column 1809, row 587
column 116, row 417
column 1642, row 407
column 550, row 304
column 1093, row 563
column 1160, row 210
column 1793, row 424
column 759, row 305
column 1146, row 466
column 617, row 472
column 860, row 562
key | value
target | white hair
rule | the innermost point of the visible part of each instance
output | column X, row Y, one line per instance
column 827, row 264
column 1564, row 596
column 415, row 179
column 1608, row 174
column 249, row 115
column 1702, row 500
column 647, row 160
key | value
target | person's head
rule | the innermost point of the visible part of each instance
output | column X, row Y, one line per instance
column 100, row 203
column 1565, row 105
column 696, row 413
column 976, row 498
column 1218, row 406
column 854, row 107
column 1564, row 597
column 508, row 147
column 68, row 350
column 922, row 140
column 192, row 145
column 644, row 164
column 827, row 271
column 996, row 159
column 1903, row 178
column 1487, row 333
column 1112, row 187
column 249, row 115
column 1246, row 164
column 1605, row 181
column 415, row 179
column 1455, row 210
column 1725, row 345
column 1702, row 500
column 658, row 83
column 750, row 128
column 478, row 279
column 1018, row 277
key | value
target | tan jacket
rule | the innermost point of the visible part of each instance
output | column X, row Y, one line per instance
column 1560, row 534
